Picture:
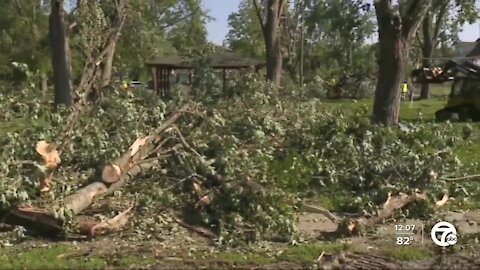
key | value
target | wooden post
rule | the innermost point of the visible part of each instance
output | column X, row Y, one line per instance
column 168, row 81
column 159, row 80
column 224, row 80
column 155, row 79
column 301, row 53
column 163, row 82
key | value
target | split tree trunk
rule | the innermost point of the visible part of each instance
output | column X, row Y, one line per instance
column 270, row 23
column 431, row 27
column 44, row 86
column 272, row 41
column 60, row 58
column 427, row 50
column 392, row 63
column 395, row 31
column 108, row 65
column 107, row 68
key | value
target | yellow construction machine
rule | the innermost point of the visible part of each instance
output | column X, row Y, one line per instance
column 464, row 99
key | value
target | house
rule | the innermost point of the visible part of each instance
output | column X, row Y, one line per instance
column 462, row 48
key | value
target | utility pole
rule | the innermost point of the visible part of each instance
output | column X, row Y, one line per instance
column 301, row 51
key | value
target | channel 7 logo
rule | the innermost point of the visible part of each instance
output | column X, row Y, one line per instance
column 444, row 234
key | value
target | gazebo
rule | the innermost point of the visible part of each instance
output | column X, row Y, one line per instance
column 163, row 67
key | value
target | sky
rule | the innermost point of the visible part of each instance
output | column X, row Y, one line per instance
column 220, row 9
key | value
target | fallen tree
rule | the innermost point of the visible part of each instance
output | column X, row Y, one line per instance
column 140, row 157
column 232, row 172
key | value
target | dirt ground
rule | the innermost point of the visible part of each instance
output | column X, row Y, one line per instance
column 379, row 250
column 187, row 250
column 467, row 225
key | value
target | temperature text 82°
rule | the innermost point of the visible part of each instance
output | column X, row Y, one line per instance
column 404, row 240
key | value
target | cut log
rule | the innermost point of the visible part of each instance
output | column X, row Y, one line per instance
column 321, row 210
column 84, row 197
column 200, row 230
column 45, row 222
column 40, row 220
column 132, row 163
column 93, row 229
column 51, row 157
column 443, row 201
column 357, row 226
column 139, row 150
column 134, row 171
column 395, row 203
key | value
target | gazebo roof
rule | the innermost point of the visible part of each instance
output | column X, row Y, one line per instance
column 221, row 60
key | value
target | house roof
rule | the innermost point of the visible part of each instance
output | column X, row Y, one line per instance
column 463, row 47
column 475, row 50
column 222, row 60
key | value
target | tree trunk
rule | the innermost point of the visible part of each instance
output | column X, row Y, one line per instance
column 112, row 44
column 395, row 33
column 60, row 58
column 391, row 62
column 44, row 86
column 270, row 22
column 272, row 42
column 274, row 64
column 350, row 54
column 427, row 50
column 108, row 64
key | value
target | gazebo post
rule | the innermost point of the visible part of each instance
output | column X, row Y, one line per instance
column 160, row 81
column 155, row 78
column 163, row 82
column 168, row 81
column 224, row 80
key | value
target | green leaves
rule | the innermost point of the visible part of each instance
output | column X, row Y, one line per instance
column 23, row 37
column 257, row 157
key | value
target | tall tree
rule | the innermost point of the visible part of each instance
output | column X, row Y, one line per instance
column 60, row 54
column 190, row 30
column 156, row 28
column 397, row 25
column 337, row 31
column 116, row 14
column 270, row 21
column 23, row 37
column 97, row 25
column 245, row 34
column 334, row 32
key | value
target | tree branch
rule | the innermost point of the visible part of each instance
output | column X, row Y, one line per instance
column 191, row 14
column 419, row 40
column 19, row 7
column 281, row 5
column 413, row 15
column 439, row 21
column 259, row 16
